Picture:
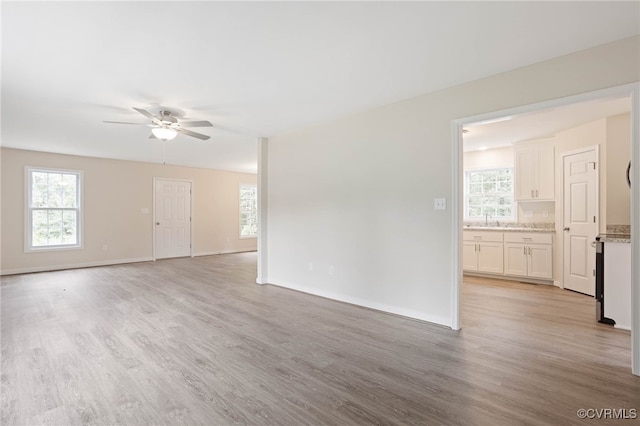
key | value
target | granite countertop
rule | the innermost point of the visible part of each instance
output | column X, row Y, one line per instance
column 616, row 234
column 614, row 238
column 512, row 227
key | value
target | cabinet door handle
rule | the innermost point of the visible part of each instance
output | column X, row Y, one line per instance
column 529, row 251
column 525, row 250
column 478, row 247
column 532, row 193
column 536, row 193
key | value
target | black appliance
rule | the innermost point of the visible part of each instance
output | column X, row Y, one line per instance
column 600, row 282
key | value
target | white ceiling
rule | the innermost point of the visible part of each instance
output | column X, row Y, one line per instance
column 540, row 124
column 260, row 68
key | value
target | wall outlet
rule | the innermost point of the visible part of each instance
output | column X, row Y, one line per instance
column 332, row 270
column 439, row 203
column 144, row 210
column 545, row 213
column 528, row 213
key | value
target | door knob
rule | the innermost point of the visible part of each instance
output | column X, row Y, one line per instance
column 157, row 223
column 566, row 228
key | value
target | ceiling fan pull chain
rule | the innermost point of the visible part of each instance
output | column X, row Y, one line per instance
column 164, row 152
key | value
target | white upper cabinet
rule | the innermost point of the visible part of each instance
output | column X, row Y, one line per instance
column 534, row 172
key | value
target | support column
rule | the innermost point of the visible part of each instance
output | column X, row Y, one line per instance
column 262, row 210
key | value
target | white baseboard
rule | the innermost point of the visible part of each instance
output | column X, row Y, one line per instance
column 509, row 278
column 396, row 310
column 211, row 253
column 29, row 270
column 73, row 266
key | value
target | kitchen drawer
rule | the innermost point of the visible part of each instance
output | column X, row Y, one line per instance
column 484, row 236
column 528, row 238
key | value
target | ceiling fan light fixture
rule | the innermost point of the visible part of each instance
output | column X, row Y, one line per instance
column 164, row 133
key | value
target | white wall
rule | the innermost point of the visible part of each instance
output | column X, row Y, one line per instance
column 491, row 158
column 358, row 193
column 618, row 153
column 114, row 193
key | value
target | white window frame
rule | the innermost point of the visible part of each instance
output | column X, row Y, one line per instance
column 240, row 188
column 28, row 243
column 514, row 212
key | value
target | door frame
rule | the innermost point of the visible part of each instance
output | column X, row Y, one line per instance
column 562, row 239
column 633, row 91
column 153, row 216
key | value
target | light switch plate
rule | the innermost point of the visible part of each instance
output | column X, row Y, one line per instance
column 439, row 203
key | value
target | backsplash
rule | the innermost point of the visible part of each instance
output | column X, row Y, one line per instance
column 536, row 212
column 619, row 229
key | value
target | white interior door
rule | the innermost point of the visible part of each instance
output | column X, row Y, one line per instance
column 580, row 224
column 172, row 214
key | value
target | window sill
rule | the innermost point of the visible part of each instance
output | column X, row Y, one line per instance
column 52, row 248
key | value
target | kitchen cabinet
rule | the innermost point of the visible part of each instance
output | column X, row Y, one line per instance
column 528, row 255
column 482, row 252
column 534, row 168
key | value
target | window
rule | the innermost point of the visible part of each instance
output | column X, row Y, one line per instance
column 53, row 209
column 489, row 192
column 248, row 211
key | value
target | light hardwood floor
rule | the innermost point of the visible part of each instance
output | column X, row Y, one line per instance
column 196, row 341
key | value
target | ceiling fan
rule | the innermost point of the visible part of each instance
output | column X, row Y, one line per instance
column 166, row 125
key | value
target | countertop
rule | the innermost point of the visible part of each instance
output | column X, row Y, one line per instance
column 614, row 238
column 508, row 229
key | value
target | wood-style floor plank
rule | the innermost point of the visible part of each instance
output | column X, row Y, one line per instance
column 196, row 341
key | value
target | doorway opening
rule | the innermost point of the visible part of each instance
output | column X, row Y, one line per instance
column 546, row 208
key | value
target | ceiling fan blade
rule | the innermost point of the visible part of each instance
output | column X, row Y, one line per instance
column 195, row 124
column 194, row 134
column 124, row 122
column 146, row 113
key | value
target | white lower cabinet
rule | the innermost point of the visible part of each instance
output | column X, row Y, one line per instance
column 528, row 255
column 518, row 254
column 515, row 259
column 482, row 252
